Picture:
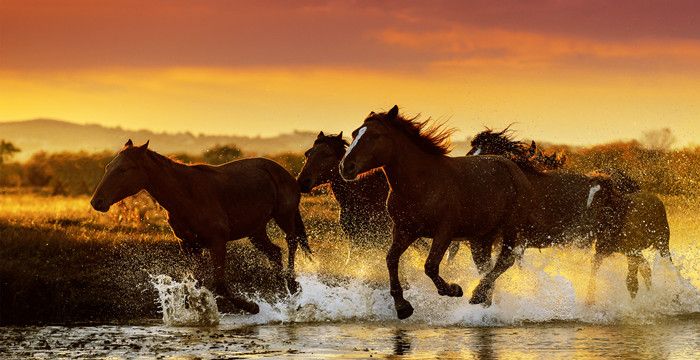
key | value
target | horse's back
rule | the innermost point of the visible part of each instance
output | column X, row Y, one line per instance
column 646, row 221
column 494, row 190
column 263, row 181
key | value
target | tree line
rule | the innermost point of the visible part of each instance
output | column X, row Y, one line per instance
column 651, row 162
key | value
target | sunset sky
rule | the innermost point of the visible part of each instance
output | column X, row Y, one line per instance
column 579, row 72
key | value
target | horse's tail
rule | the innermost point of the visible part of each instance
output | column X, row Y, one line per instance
column 301, row 233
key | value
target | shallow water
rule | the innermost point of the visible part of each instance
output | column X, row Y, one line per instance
column 538, row 312
column 676, row 337
column 344, row 310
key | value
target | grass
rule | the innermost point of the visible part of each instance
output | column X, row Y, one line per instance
column 62, row 262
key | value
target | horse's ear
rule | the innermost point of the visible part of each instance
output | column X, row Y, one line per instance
column 393, row 113
column 340, row 136
column 144, row 146
column 129, row 143
column 320, row 135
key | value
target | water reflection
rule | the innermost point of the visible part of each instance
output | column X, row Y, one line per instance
column 402, row 342
column 484, row 344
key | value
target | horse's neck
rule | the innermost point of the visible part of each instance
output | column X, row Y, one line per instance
column 343, row 191
column 408, row 172
column 166, row 184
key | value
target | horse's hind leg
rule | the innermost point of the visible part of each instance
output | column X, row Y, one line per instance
column 633, row 261
column 481, row 253
column 597, row 261
column 645, row 271
column 262, row 242
column 290, row 222
column 401, row 241
column 218, row 251
column 432, row 266
column 506, row 258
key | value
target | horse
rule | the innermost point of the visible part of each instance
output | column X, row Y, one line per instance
column 210, row 205
column 440, row 197
column 363, row 214
column 608, row 204
column 630, row 223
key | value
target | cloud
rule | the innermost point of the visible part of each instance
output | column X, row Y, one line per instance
column 75, row 34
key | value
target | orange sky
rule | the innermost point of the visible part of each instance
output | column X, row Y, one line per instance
column 565, row 71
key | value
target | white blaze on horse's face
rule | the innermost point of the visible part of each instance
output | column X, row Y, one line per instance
column 591, row 194
column 360, row 132
column 478, row 151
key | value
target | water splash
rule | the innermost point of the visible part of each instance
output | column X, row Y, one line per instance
column 548, row 286
column 184, row 303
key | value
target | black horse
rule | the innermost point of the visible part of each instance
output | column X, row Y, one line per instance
column 606, row 206
column 363, row 214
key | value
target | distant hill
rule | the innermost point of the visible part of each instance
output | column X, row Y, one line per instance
column 49, row 135
column 55, row 135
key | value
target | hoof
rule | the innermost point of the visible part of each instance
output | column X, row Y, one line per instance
column 293, row 286
column 453, row 290
column 404, row 310
column 480, row 295
column 252, row 308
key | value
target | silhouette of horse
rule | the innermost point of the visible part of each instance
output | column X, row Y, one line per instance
column 628, row 224
column 436, row 196
column 363, row 214
column 607, row 204
column 211, row 205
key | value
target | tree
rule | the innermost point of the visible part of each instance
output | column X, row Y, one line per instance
column 220, row 154
column 658, row 140
column 7, row 151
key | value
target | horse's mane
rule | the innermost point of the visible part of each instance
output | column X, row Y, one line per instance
column 337, row 143
column 528, row 156
column 429, row 136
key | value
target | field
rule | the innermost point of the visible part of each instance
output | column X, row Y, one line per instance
column 62, row 262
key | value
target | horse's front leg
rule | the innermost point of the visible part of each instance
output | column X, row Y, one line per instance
column 441, row 242
column 481, row 254
column 483, row 292
column 401, row 241
column 218, row 250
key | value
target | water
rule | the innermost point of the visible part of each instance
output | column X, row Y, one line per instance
column 539, row 311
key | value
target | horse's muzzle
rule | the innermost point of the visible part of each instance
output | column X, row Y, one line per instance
column 100, row 205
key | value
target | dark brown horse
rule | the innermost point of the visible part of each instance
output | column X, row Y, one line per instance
column 436, row 196
column 363, row 214
column 607, row 207
column 628, row 224
column 211, row 205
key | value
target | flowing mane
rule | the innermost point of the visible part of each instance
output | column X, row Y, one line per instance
column 528, row 156
column 429, row 136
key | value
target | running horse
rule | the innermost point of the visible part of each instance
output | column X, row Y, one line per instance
column 210, row 205
column 440, row 197
column 606, row 206
column 363, row 214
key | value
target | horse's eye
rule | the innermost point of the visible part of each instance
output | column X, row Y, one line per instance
column 307, row 153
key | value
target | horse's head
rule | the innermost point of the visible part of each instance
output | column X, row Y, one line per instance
column 371, row 147
column 490, row 142
column 123, row 177
column 321, row 161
